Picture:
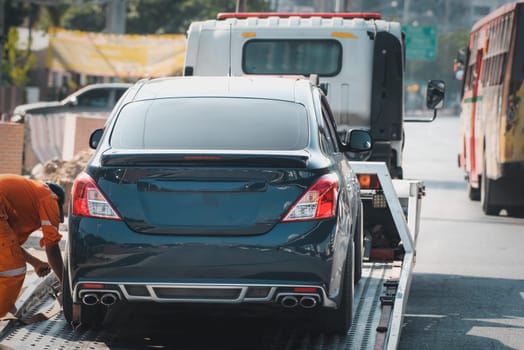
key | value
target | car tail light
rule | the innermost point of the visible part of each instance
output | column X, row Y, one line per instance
column 88, row 200
column 319, row 202
column 369, row 181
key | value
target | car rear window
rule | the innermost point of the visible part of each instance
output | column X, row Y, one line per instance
column 292, row 56
column 211, row 123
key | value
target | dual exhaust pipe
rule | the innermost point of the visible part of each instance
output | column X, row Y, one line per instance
column 288, row 301
column 107, row 298
column 304, row 301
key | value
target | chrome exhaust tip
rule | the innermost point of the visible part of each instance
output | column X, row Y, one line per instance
column 289, row 301
column 108, row 299
column 90, row 299
column 308, row 302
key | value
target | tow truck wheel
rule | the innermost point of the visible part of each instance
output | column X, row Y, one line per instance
column 339, row 320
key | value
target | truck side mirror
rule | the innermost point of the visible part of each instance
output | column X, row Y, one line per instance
column 435, row 94
column 95, row 138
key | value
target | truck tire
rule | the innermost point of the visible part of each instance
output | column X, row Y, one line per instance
column 516, row 211
column 473, row 193
column 339, row 320
column 397, row 173
column 486, row 199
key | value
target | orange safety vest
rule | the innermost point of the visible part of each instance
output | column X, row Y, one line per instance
column 25, row 206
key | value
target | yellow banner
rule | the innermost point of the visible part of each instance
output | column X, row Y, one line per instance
column 116, row 55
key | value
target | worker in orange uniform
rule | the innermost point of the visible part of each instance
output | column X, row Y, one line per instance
column 27, row 205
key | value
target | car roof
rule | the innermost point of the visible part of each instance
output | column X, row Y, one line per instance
column 270, row 87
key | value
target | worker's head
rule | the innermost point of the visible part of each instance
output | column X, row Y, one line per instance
column 60, row 193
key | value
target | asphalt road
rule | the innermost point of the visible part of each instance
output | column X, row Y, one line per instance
column 467, row 290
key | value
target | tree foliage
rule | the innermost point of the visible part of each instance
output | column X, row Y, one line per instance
column 16, row 63
column 16, row 12
column 168, row 16
column 143, row 16
column 88, row 18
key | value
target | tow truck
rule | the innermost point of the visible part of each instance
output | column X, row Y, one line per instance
column 391, row 208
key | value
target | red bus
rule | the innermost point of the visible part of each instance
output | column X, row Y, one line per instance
column 492, row 118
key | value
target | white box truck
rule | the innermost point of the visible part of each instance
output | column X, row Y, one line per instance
column 358, row 57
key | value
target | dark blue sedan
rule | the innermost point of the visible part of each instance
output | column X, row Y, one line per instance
column 218, row 190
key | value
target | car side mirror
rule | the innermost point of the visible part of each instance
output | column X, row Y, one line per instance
column 72, row 101
column 95, row 138
column 357, row 144
column 356, row 140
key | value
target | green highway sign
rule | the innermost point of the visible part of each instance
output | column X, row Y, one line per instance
column 421, row 43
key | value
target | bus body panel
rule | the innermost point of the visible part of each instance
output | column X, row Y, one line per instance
column 492, row 119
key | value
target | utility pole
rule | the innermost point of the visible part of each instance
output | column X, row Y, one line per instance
column 405, row 12
column 116, row 11
column 241, row 6
column 342, row 5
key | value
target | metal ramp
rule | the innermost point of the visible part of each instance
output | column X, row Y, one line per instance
column 56, row 334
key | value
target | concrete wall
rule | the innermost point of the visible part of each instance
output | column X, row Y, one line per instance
column 11, row 147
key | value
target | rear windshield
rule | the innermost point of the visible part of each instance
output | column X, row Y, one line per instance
column 211, row 123
column 285, row 56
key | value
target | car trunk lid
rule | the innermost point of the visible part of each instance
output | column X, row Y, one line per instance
column 204, row 193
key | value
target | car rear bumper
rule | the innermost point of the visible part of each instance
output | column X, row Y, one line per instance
column 166, row 268
column 286, row 295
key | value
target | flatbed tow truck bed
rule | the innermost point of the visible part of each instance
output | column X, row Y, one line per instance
column 56, row 333
column 379, row 303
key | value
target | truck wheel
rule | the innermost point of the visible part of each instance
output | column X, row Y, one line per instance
column 516, row 211
column 486, row 186
column 473, row 193
column 339, row 320
column 397, row 173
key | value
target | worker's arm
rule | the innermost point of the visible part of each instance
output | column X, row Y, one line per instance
column 54, row 257
column 41, row 267
column 50, row 219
